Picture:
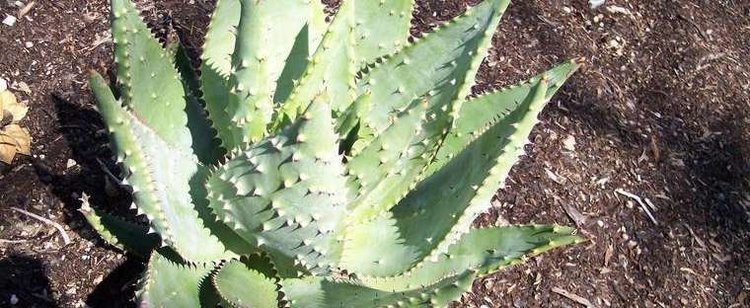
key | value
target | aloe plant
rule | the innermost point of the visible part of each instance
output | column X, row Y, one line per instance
column 317, row 164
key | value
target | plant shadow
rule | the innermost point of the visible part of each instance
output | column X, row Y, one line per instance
column 118, row 288
column 24, row 283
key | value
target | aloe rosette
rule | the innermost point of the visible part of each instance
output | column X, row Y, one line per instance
column 316, row 163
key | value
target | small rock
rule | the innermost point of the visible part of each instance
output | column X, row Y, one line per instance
column 13, row 299
column 570, row 143
column 3, row 85
column 29, row 44
column 594, row 4
column 632, row 244
column 71, row 163
column 9, row 20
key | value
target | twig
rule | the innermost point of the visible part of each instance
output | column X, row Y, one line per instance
column 574, row 297
column 650, row 204
column 4, row 241
column 107, row 172
column 26, row 9
column 640, row 202
column 99, row 40
column 57, row 226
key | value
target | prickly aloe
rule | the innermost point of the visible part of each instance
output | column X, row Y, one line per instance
column 316, row 163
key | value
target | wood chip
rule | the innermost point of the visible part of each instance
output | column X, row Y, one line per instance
column 608, row 254
column 574, row 214
column 554, row 177
column 574, row 297
column 26, row 9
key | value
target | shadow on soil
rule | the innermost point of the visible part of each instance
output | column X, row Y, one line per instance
column 88, row 139
column 702, row 162
column 704, row 176
column 118, row 288
column 24, row 283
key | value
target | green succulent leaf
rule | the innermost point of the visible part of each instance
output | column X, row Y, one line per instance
column 374, row 247
column 221, row 37
column 441, row 94
column 361, row 32
column 481, row 112
column 168, row 283
column 160, row 181
column 384, row 169
column 241, row 286
column 435, row 66
column 442, row 207
column 432, row 283
column 150, row 84
column 320, row 292
column 481, row 251
column 380, row 28
column 205, row 145
column 216, row 66
column 120, row 232
column 262, row 48
column 267, row 192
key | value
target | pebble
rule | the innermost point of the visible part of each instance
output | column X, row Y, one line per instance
column 9, row 20
column 13, row 299
column 29, row 44
column 71, row 163
column 570, row 143
column 594, row 4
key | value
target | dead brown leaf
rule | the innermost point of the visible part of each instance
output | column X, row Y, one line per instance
column 9, row 103
column 14, row 139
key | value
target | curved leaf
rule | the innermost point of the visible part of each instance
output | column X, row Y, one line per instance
column 150, row 84
column 241, row 286
column 161, row 177
column 287, row 192
column 442, row 207
column 119, row 232
column 168, row 283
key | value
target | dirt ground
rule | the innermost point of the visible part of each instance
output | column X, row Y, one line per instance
column 660, row 112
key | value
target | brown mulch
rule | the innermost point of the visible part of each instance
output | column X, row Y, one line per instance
column 661, row 110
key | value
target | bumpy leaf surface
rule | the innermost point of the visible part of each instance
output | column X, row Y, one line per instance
column 356, row 158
